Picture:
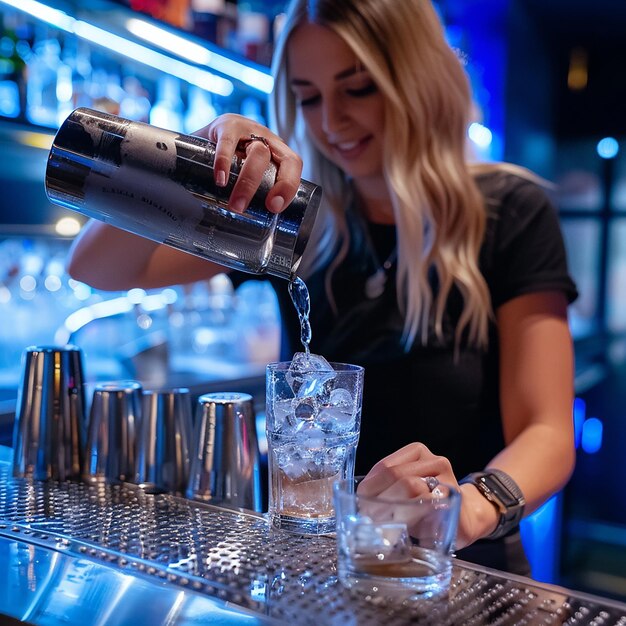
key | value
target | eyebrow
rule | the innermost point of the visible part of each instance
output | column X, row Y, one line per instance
column 343, row 74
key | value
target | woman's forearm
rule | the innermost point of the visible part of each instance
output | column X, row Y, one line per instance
column 540, row 460
column 111, row 259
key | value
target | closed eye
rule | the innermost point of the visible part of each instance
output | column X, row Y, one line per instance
column 363, row 91
column 355, row 92
column 305, row 102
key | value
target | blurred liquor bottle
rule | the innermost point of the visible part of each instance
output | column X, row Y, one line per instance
column 206, row 16
column 174, row 12
column 42, row 104
column 168, row 110
column 200, row 111
column 13, row 48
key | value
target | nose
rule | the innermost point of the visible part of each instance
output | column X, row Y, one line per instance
column 334, row 115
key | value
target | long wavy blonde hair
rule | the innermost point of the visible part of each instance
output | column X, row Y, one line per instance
column 439, row 211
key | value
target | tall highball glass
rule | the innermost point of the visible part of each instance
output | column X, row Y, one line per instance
column 313, row 411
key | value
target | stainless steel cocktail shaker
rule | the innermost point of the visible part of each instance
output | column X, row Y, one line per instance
column 49, row 430
column 164, row 439
column 225, row 466
column 112, row 432
column 160, row 184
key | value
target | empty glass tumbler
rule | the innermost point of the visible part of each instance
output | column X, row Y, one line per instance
column 393, row 547
column 160, row 184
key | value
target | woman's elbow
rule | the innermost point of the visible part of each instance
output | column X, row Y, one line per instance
column 567, row 461
column 90, row 272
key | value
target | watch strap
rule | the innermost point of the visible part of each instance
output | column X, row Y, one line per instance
column 504, row 493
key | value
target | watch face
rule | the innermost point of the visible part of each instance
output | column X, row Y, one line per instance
column 497, row 487
column 493, row 485
column 501, row 491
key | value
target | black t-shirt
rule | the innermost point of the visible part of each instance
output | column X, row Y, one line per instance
column 425, row 394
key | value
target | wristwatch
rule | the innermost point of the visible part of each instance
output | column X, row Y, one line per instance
column 502, row 491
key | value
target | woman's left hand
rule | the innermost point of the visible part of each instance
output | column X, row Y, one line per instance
column 404, row 474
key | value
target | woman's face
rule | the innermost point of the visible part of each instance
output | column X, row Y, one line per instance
column 340, row 102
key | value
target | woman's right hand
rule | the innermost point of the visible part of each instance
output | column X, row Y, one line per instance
column 405, row 474
column 233, row 135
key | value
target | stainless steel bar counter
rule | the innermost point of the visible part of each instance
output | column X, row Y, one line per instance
column 72, row 553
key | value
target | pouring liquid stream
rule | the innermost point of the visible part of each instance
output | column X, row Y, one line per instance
column 300, row 297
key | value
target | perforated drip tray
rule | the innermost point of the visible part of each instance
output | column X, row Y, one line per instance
column 237, row 558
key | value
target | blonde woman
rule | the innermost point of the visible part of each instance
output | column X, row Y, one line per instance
column 448, row 281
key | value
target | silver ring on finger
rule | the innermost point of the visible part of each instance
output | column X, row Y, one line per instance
column 244, row 143
column 431, row 482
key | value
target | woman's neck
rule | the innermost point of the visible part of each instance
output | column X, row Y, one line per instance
column 374, row 202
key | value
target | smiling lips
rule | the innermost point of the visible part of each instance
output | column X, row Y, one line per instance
column 351, row 149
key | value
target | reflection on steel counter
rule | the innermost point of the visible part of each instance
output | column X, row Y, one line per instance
column 39, row 585
column 232, row 558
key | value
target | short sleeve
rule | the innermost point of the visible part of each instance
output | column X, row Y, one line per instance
column 527, row 253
